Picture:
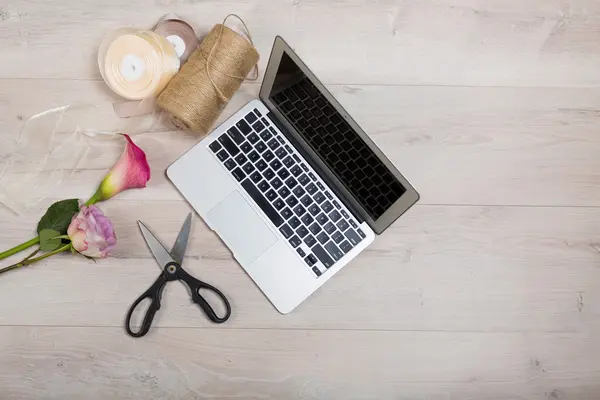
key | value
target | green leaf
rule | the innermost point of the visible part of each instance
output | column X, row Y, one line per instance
column 59, row 215
column 49, row 240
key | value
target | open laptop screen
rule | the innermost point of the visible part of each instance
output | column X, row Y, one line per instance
column 340, row 147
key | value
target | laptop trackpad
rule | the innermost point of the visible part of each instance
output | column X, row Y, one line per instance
column 240, row 227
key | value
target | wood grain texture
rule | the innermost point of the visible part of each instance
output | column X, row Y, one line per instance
column 488, row 289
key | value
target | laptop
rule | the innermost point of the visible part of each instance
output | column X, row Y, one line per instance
column 291, row 183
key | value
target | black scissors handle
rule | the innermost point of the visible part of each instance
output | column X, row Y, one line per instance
column 153, row 293
column 195, row 286
column 172, row 272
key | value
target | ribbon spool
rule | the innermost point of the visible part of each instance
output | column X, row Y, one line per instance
column 137, row 64
column 196, row 96
column 180, row 34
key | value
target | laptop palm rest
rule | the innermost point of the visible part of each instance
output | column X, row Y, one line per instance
column 240, row 227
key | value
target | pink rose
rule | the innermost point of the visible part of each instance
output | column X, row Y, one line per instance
column 91, row 232
column 130, row 172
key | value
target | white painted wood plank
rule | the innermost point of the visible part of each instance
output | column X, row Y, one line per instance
column 438, row 268
column 519, row 146
column 100, row 363
column 449, row 42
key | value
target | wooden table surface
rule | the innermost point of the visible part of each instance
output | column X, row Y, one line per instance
column 489, row 288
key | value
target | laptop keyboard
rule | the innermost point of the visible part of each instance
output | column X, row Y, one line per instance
column 287, row 190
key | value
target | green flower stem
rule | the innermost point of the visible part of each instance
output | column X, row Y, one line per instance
column 19, row 248
column 28, row 261
column 94, row 199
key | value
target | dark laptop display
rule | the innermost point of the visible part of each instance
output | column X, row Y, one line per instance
column 339, row 146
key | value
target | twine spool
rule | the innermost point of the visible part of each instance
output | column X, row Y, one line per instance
column 137, row 64
column 196, row 96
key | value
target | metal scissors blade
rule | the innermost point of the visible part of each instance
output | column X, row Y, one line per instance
column 162, row 256
column 178, row 250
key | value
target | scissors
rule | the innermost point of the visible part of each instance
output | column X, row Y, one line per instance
column 170, row 263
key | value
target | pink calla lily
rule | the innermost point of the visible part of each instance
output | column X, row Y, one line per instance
column 130, row 172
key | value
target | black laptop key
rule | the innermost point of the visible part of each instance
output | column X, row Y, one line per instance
column 352, row 237
column 296, row 114
column 288, row 161
column 337, row 237
column 271, row 195
column 315, row 228
column 222, row 155
column 294, row 222
column 248, row 168
column 258, row 126
column 243, row 126
column 215, row 146
column 319, row 198
column 276, row 164
column 286, row 213
column 238, row 174
column 334, row 215
column 280, row 152
column 320, row 186
column 303, row 179
column 329, row 227
column 235, row 134
column 353, row 224
column 263, row 186
column 296, row 170
column 246, row 147
column 265, row 135
column 314, row 209
column 262, row 203
column 309, row 261
column 306, row 200
column 268, row 156
column 315, row 122
column 295, row 241
column 336, row 204
column 299, row 210
column 361, row 233
column 253, row 156
column 335, row 251
column 278, row 204
column 251, row 118
column 323, row 256
column 291, row 182
column 276, row 183
column 269, row 174
column 317, row 271
column 230, row 164
column 292, row 201
column 302, row 231
column 307, row 219
column 345, row 246
column 257, row 112
column 299, row 191
column 283, row 173
column 261, row 165
column 274, row 144
column 261, row 147
column 229, row 145
column 240, row 159
column 297, row 158
column 328, row 195
column 286, row 231
column 253, row 138
column 311, row 189
column 322, row 218
column 288, row 148
column 345, row 214
column 327, row 207
column 322, row 237
column 284, row 192
column 310, row 240
column 255, row 177
column 342, row 225
column 300, row 252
